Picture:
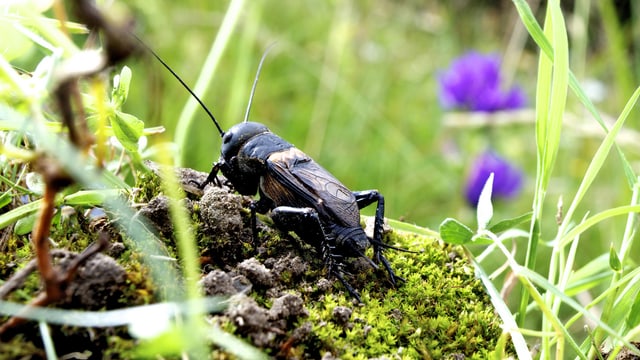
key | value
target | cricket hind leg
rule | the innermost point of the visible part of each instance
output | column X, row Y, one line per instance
column 364, row 199
column 306, row 223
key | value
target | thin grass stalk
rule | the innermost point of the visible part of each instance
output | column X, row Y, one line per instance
column 514, row 50
column 542, row 103
column 510, row 325
column 635, row 274
column 329, row 77
column 534, row 278
column 627, row 239
column 579, row 36
column 551, row 94
column 635, row 30
column 239, row 88
column 186, row 119
column 594, row 168
column 188, row 252
column 631, row 225
column 47, row 341
column 566, row 269
column 559, row 89
column 617, row 50
column 99, row 92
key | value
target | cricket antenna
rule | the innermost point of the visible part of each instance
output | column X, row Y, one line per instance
column 255, row 81
column 183, row 83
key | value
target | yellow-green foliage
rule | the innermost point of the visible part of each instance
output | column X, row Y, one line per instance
column 147, row 186
column 441, row 310
column 18, row 348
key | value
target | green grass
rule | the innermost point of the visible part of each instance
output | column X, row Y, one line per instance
column 557, row 339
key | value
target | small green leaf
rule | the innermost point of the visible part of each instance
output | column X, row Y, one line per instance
column 614, row 260
column 454, row 232
column 5, row 199
column 411, row 228
column 90, row 197
column 25, row 225
column 592, row 274
column 634, row 314
column 121, row 87
column 127, row 129
column 507, row 224
column 14, row 43
column 169, row 342
column 624, row 313
column 481, row 240
column 485, row 207
column 20, row 212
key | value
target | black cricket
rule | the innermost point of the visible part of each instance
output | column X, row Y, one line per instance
column 302, row 196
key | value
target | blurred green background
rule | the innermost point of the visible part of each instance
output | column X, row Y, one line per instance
column 354, row 85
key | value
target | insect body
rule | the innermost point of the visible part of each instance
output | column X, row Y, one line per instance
column 301, row 195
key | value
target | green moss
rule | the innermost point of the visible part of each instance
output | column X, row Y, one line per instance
column 23, row 251
column 141, row 289
column 120, row 348
column 18, row 348
column 148, row 185
column 441, row 310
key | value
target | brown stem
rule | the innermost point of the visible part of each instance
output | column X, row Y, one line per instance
column 40, row 239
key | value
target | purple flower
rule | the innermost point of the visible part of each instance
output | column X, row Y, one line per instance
column 472, row 83
column 507, row 179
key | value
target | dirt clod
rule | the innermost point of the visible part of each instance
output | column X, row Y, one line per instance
column 300, row 333
column 98, row 284
column 251, row 320
column 116, row 249
column 256, row 272
column 328, row 356
column 221, row 214
column 289, row 265
column 341, row 315
column 157, row 211
column 268, row 327
column 286, row 307
column 218, row 282
column 226, row 236
column 324, row 285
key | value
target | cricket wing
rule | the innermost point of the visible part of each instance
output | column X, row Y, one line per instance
column 296, row 180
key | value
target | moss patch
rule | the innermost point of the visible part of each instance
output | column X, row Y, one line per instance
column 440, row 311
